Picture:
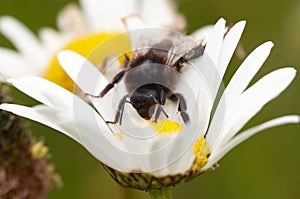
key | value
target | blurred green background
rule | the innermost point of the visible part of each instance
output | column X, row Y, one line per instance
column 265, row 166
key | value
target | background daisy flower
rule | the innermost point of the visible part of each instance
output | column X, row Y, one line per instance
column 213, row 138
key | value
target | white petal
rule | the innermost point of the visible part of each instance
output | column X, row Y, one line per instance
column 55, row 119
column 14, row 65
column 143, row 35
column 81, row 71
column 174, row 154
column 182, row 164
column 99, row 140
column 52, row 40
column 83, row 125
column 180, row 157
column 211, row 56
column 247, row 71
column 218, row 50
column 229, row 45
column 159, row 161
column 44, row 91
column 214, row 42
column 89, row 80
column 193, row 86
column 133, row 22
column 236, row 86
column 201, row 35
column 71, row 20
column 161, row 12
column 217, row 155
column 254, row 98
column 22, row 38
column 104, row 15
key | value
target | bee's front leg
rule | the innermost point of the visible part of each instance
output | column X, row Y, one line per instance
column 182, row 107
column 120, row 110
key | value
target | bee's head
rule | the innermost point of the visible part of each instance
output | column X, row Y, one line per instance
column 143, row 102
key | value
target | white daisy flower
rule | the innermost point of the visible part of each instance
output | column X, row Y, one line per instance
column 79, row 29
column 149, row 155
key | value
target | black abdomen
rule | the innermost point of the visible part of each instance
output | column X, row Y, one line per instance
column 151, row 74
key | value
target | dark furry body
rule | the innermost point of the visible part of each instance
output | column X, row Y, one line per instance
column 150, row 79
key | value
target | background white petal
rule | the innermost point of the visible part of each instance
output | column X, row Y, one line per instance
column 14, row 65
column 23, row 39
column 52, row 40
column 161, row 12
column 72, row 21
column 106, row 15
column 143, row 35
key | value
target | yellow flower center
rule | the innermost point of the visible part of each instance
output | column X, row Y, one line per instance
column 201, row 152
column 166, row 126
column 87, row 47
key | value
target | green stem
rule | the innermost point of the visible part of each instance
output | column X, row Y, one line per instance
column 163, row 193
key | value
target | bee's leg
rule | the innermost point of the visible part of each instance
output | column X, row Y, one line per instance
column 182, row 107
column 119, row 114
column 126, row 62
column 162, row 97
column 158, row 111
column 161, row 101
column 117, row 78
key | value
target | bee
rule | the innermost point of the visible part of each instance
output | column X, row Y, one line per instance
column 150, row 79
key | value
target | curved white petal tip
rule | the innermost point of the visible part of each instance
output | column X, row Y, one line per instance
column 288, row 71
column 66, row 54
column 12, row 80
column 6, row 19
column 68, row 59
column 221, row 21
column 2, row 107
column 134, row 21
column 269, row 44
